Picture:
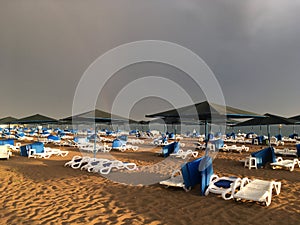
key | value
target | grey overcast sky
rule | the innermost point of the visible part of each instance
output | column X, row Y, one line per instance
column 252, row 47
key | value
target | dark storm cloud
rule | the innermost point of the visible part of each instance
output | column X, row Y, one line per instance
column 252, row 47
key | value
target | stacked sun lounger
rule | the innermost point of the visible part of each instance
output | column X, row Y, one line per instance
column 98, row 165
column 285, row 163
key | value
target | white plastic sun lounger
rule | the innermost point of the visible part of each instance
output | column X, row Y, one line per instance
column 184, row 154
column 256, row 190
column 75, row 158
column 94, row 163
column 176, row 180
column 287, row 163
column 78, row 162
column 33, row 154
column 286, row 152
column 239, row 149
column 222, row 186
column 56, row 151
column 125, row 147
column 116, row 164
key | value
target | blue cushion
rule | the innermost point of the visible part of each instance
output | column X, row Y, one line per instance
column 223, row 183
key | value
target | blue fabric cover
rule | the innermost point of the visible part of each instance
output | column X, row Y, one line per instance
column 123, row 138
column 7, row 142
column 293, row 135
column 298, row 150
column 53, row 137
column 219, row 143
column 118, row 143
column 279, row 137
column 260, row 139
column 23, row 150
column 196, row 172
column 264, row 156
column 249, row 134
column 38, row 146
column 109, row 133
column 171, row 136
column 223, row 183
column 170, row 148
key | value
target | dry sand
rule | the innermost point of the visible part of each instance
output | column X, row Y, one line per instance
column 43, row 191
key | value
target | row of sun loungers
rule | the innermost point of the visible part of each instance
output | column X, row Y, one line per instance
column 233, row 187
column 98, row 165
column 234, row 148
column 285, row 163
column 48, row 152
column 185, row 154
column 286, row 152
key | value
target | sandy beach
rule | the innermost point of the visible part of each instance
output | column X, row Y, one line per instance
column 43, row 191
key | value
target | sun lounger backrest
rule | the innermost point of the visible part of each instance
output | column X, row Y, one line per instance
column 118, row 143
column 123, row 138
column 38, row 146
column 195, row 172
column 170, row 148
column 7, row 142
column 219, row 143
column 23, row 150
column 264, row 156
column 298, row 150
column 279, row 137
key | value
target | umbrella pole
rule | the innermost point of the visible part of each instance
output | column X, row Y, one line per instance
column 206, row 130
column 95, row 140
column 206, row 138
column 294, row 129
column 269, row 135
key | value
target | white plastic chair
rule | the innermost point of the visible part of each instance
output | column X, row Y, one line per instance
column 250, row 162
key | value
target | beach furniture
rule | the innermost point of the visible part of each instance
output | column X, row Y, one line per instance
column 200, row 145
column 94, row 163
column 275, row 141
column 192, row 173
column 115, row 164
column 75, row 159
column 239, row 149
column 289, row 152
column 37, row 146
column 255, row 190
column 169, row 149
column 33, row 154
column 77, row 162
column 222, row 186
column 160, row 142
column 264, row 156
column 260, row 158
column 5, row 152
column 122, row 145
column 184, row 154
column 55, row 151
column 176, row 180
column 234, row 148
column 285, row 163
